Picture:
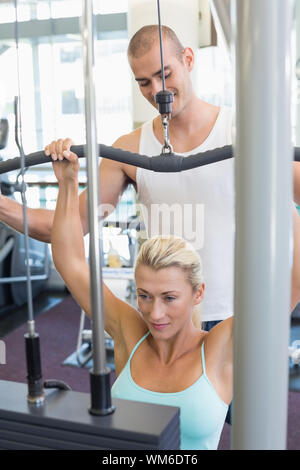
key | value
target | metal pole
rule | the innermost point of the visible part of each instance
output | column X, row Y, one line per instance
column 221, row 13
column 100, row 385
column 263, row 223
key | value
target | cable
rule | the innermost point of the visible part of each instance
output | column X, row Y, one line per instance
column 161, row 46
column 19, row 142
column 36, row 393
column 164, row 98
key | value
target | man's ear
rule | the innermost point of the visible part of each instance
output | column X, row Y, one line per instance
column 188, row 58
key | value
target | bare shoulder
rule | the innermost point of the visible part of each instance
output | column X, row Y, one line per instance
column 122, row 320
column 219, row 358
column 219, row 342
column 132, row 329
column 132, row 323
column 129, row 141
column 222, row 332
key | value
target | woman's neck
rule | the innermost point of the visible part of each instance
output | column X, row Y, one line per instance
column 172, row 349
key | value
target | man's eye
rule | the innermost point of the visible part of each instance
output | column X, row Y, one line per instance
column 144, row 83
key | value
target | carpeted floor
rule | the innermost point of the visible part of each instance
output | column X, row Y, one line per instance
column 58, row 330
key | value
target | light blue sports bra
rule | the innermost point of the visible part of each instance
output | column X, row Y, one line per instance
column 202, row 412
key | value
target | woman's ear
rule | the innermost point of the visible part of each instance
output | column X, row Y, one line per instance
column 199, row 294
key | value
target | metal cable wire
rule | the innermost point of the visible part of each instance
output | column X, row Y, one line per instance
column 19, row 142
column 161, row 46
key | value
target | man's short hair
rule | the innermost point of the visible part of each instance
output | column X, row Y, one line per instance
column 143, row 40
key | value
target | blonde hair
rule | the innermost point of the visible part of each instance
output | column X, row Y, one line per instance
column 168, row 251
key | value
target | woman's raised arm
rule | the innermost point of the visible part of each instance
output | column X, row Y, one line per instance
column 68, row 246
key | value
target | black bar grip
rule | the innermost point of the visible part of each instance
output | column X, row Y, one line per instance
column 112, row 153
column 170, row 163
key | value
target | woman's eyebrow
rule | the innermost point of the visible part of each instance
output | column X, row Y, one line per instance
column 171, row 292
column 162, row 293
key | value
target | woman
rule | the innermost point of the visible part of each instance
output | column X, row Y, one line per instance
column 160, row 355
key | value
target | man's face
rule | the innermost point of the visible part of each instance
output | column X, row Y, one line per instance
column 147, row 73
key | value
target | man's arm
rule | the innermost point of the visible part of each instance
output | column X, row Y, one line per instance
column 39, row 220
column 114, row 178
column 113, row 181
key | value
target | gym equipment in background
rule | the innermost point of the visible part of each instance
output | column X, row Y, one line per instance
column 12, row 250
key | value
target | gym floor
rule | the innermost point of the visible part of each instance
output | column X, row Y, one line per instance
column 13, row 317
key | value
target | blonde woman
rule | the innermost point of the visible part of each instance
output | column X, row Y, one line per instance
column 161, row 356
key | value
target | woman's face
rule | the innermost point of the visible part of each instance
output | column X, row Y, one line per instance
column 166, row 299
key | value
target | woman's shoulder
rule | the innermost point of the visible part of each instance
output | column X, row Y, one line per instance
column 219, row 358
column 133, row 327
column 219, row 344
column 221, row 333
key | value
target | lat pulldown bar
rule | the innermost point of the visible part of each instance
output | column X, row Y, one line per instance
column 164, row 163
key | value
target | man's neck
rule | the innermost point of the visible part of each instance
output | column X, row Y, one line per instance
column 189, row 128
column 196, row 115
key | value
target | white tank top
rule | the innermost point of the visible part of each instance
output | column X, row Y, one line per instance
column 197, row 205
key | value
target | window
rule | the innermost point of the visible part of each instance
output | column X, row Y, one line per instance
column 51, row 73
column 52, row 86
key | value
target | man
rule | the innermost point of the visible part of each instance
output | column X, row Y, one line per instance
column 203, row 197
